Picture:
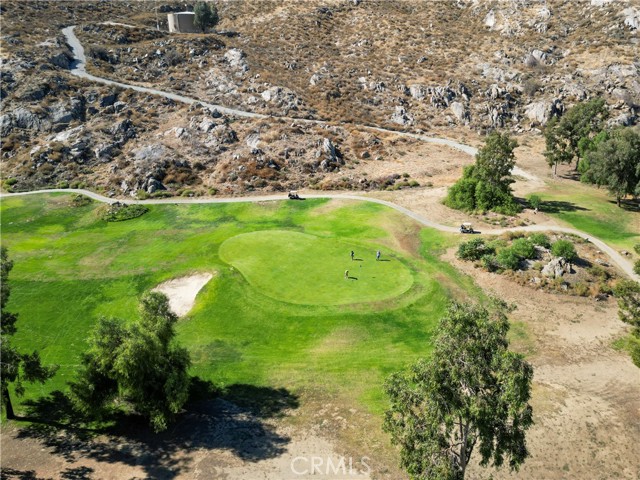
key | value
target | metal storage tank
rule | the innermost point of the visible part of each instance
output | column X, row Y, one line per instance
column 182, row 22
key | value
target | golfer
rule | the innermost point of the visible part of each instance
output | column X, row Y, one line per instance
column 352, row 254
column 378, row 255
column 346, row 274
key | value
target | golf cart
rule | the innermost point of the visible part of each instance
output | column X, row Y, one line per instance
column 466, row 228
column 293, row 195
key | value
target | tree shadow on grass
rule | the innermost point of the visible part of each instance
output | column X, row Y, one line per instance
column 630, row 205
column 558, row 206
column 233, row 419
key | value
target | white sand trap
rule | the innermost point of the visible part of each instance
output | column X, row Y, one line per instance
column 182, row 291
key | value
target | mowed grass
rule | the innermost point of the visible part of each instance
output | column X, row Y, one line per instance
column 278, row 311
column 591, row 210
column 306, row 269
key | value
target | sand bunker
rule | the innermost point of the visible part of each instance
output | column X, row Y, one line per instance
column 182, row 291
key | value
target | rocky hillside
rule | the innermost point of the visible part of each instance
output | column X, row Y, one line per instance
column 407, row 65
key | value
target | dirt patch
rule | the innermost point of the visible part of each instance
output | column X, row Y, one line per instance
column 182, row 291
column 586, row 395
column 214, row 439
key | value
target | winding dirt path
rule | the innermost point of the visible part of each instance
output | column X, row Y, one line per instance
column 79, row 69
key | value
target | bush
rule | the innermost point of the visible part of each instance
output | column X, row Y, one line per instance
column 62, row 184
column 80, row 200
column 496, row 244
column 461, row 195
column 472, row 250
column 636, row 267
column 540, row 239
column 161, row 194
column 118, row 212
column 581, row 289
column 490, row 262
column 508, row 259
column 564, row 248
column 636, row 247
column 599, row 272
column 523, row 248
column 535, row 201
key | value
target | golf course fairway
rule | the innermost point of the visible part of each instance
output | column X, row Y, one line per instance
column 278, row 312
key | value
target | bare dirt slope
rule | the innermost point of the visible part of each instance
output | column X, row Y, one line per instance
column 586, row 395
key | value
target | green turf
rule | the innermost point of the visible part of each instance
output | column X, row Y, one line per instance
column 278, row 311
column 591, row 210
column 305, row 269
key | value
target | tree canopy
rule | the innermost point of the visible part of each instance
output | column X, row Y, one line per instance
column 17, row 367
column 472, row 392
column 140, row 364
column 206, row 15
column 567, row 135
column 615, row 163
column 486, row 184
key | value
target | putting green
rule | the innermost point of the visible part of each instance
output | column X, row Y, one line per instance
column 309, row 270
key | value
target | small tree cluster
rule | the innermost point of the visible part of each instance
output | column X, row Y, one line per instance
column 206, row 16
column 486, row 185
column 472, row 394
column 140, row 364
column 608, row 158
column 565, row 137
column 615, row 163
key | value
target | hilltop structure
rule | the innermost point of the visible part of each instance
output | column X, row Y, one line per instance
column 182, row 22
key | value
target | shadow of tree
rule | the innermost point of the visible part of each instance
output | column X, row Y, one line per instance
column 78, row 473
column 232, row 419
column 12, row 473
column 630, row 205
column 558, row 206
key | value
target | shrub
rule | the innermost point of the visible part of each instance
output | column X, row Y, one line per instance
column 535, row 201
column 142, row 194
column 490, row 262
column 636, row 267
column 599, row 272
column 636, row 247
column 472, row 250
column 62, row 184
column 581, row 289
column 80, row 200
column 513, row 235
column 523, row 248
column 508, row 259
column 118, row 212
column 496, row 244
column 161, row 194
column 540, row 239
column 564, row 248
column 461, row 195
